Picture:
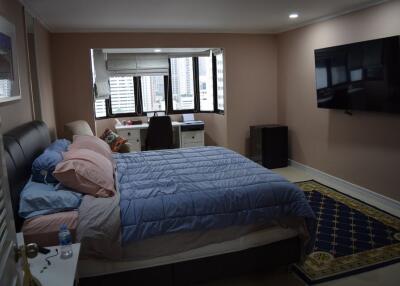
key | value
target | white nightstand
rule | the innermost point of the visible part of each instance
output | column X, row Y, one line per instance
column 60, row 272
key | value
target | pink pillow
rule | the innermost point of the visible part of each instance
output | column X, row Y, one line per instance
column 92, row 143
column 87, row 172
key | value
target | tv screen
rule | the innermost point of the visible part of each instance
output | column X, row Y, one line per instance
column 360, row 76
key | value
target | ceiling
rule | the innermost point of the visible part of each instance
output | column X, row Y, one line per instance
column 231, row 16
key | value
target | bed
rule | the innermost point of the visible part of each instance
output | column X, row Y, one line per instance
column 191, row 209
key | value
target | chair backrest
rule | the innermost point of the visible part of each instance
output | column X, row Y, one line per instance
column 159, row 133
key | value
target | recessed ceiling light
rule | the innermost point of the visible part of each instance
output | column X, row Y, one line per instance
column 157, row 50
column 293, row 15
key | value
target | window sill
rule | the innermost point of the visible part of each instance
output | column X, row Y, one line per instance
column 169, row 113
column 5, row 99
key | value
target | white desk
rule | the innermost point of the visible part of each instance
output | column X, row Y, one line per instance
column 143, row 126
column 135, row 135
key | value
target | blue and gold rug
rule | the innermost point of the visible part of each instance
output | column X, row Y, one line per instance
column 352, row 236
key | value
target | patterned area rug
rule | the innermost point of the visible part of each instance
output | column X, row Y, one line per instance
column 352, row 236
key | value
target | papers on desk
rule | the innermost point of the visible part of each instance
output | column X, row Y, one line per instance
column 187, row 117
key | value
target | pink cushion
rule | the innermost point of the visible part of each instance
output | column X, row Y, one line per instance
column 92, row 143
column 87, row 172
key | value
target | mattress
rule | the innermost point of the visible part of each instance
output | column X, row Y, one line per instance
column 241, row 238
column 44, row 229
column 177, row 198
column 180, row 242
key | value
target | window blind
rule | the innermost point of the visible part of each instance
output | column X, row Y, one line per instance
column 137, row 64
column 100, row 75
column 122, row 94
column 100, row 108
column 220, row 81
column 8, row 270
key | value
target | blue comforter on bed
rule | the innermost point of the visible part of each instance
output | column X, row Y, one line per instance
column 188, row 189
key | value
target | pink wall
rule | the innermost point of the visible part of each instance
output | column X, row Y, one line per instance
column 250, row 78
column 251, row 88
column 44, row 74
column 363, row 149
column 268, row 79
column 215, row 129
column 17, row 112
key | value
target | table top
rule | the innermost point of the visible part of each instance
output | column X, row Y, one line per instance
column 142, row 126
column 146, row 125
column 60, row 272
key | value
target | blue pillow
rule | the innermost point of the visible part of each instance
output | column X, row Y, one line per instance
column 59, row 145
column 44, row 165
column 40, row 199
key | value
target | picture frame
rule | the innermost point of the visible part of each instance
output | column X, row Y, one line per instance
column 9, row 72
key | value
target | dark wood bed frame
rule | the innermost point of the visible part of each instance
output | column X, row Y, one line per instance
column 24, row 143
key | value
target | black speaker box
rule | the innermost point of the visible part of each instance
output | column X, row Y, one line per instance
column 269, row 145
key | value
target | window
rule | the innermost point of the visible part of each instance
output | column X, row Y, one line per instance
column 5, row 87
column 153, row 93
column 182, row 83
column 122, row 95
column 206, row 84
column 9, row 83
column 100, row 108
column 220, row 81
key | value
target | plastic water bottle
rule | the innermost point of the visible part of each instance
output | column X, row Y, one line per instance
column 65, row 239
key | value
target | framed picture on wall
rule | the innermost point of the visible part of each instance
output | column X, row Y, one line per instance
column 9, row 76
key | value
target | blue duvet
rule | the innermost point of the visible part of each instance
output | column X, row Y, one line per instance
column 188, row 189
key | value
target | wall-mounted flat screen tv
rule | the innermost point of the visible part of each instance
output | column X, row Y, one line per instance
column 360, row 76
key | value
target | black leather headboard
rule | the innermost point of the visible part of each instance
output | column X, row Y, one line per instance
column 22, row 145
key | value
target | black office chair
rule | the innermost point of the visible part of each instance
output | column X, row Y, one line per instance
column 159, row 133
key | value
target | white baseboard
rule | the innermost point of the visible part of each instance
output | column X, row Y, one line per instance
column 370, row 197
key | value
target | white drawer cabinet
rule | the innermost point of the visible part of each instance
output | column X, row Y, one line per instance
column 192, row 138
column 133, row 137
column 183, row 136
